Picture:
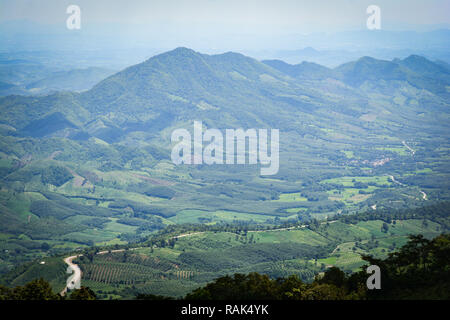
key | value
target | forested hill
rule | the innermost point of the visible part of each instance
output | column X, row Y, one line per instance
column 181, row 258
column 418, row 270
column 93, row 168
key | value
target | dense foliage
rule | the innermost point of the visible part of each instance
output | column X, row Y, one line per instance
column 80, row 172
column 419, row 270
column 56, row 175
column 40, row 289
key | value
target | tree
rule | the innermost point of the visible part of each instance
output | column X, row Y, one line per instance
column 84, row 293
column 333, row 276
column 239, row 287
column 323, row 292
column 38, row 289
column 419, row 270
column 152, row 297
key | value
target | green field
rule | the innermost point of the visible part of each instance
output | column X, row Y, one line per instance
column 196, row 216
column 350, row 181
column 93, row 168
column 287, row 197
column 194, row 260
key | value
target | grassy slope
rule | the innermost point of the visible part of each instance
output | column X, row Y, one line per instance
column 167, row 271
column 331, row 134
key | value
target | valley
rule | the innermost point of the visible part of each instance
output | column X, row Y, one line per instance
column 91, row 170
column 179, row 264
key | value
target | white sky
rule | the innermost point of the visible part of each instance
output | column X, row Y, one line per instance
column 243, row 16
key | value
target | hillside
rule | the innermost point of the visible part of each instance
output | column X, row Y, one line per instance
column 305, row 70
column 415, row 70
column 94, row 168
column 72, row 80
column 23, row 77
column 178, row 267
column 180, row 259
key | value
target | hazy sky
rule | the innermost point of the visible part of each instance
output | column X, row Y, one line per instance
column 214, row 25
column 243, row 16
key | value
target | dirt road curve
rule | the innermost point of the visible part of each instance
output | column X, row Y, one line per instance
column 74, row 281
column 409, row 148
column 424, row 195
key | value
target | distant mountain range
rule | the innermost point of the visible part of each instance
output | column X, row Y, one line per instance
column 417, row 70
column 94, row 166
column 183, row 84
column 73, row 80
column 30, row 78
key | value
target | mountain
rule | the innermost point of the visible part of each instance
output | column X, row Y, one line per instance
column 94, row 167
column 47, row 125
column 27, row 77
column 182, row 73
column 370, row 69
column 72, row 80
column 9, row 89
column 305, row 70
column 443, row 64
column 414, row 70
column 422, row 66
column 185, row 84
column 21, row 72
column 428, row 75
column 227, row 89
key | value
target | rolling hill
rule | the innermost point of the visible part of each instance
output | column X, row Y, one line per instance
column 72, row 80
column 87, row 168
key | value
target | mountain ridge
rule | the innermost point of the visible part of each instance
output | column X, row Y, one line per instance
column 195, row 84
column 90, row 168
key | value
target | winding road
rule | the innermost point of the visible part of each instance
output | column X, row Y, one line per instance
column 408, row 147
column 74, row 280
column 424, row 195
column 395, row 181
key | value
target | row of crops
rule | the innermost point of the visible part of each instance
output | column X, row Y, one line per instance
column 131, row 270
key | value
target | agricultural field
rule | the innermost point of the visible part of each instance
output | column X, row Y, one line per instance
column 92, row 170
column 352, row 181
column 52, row 269
column 200, row 216
column 186, row 263
column 67, row 203
column 287, row 197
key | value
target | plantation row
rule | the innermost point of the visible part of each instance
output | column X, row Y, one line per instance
column 184, row 274
column 152, row 262
column 114, row 273
column 128, row 273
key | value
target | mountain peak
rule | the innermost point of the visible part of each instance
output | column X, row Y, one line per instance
column 179, row 52
column 415, row 58
column 232, row 54
column 422, row 65
column 182, row 50
column 367, row 59
column 304, row 70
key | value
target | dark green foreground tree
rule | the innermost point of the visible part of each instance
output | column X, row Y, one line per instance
column 40, row 289
column 419, row 270
column 84, row 293
column 35, row 290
